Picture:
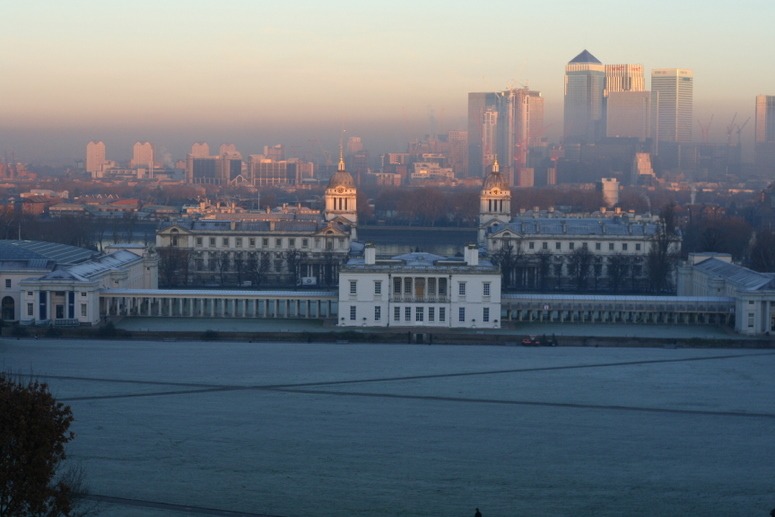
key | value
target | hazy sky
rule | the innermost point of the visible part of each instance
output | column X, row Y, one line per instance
column 257, row 72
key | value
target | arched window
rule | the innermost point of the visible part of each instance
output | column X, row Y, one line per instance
column 8, row 309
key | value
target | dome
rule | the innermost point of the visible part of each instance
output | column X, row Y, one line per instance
column 495, row 179
column 341, row 179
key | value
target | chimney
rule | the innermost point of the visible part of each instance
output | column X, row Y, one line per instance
column 471, row 255
column 370, row 254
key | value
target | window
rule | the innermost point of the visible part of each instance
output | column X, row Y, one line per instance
column 29, row 309
column 610, row 246
column 486, row 289
column 265, row 242
column 212, row 242
column 407, row 286
column 407, row 314
column 418, row 314
column 597, row 246
column 377, row 286
column 225, row 242
column 83, row 310
column 396, row 313
column 584, row 245
column 291, row 243
column 624, row 246
column 7, row 283
column 558, row 245
column 461, row 289
column 571, row 245
column 396, row 286
column 544, row 245
column 531, row 245
column 199, row 241
column 377, row 313
column 238, row 242
column 252, row 242
column 83, row 293
column 442, row 314
column 637, row 246
column 750, row 320
column 305, row 243
column 353, row 311
column 278, row 243
column 353, row 287
column 461, row 314
column 486, row 314
column 431, row 313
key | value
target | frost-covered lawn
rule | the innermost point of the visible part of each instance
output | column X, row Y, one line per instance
column 387, row 430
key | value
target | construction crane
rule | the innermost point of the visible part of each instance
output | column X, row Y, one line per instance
column 740, row 130
column 705, row 129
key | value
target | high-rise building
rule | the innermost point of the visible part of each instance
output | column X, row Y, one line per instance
column 583, row 107
column 200, row 150
column 624, row 78
column 504, row 126
column 142, row 156
column 478, row 104
column 672, row 103
column 627, row 103
column 628, row 115
column 520, row 127
column 765, row 133
column 95, row 158
column 458, row 146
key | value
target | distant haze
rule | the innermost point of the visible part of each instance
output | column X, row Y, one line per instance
column 257, row 73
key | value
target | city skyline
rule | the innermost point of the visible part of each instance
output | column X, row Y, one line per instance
column 256, row 74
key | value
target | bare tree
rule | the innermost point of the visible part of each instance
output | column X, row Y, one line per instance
column 662, row 258
column 579, row 264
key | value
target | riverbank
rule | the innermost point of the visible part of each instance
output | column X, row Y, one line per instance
column 318, row 331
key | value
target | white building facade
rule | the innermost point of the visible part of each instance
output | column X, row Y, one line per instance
column 419, row 290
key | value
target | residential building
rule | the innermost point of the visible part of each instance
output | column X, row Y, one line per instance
column 583, row 108
column 142, row 156
column 95, row 158
column 478, row 104
column 419, row 290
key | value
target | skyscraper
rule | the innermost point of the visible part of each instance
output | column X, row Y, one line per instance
column 95, row 158
column 765, row 133
column 672, row 102
column 520, row 127
column 583, row 109
column 478, row 104
column 624, row 78
column 627, row 103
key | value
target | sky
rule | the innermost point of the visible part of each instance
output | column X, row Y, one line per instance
column 298, row 72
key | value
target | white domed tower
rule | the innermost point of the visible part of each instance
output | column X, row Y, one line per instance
column 341, row 194
column 494, row 201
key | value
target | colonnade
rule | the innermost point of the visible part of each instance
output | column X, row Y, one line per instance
column 217, row 304
column 617, row 309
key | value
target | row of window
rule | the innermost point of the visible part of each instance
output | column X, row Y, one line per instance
column 461, row 291
column 598, row 246
column 31, row 310
column 265, row 242
column 420, row 314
